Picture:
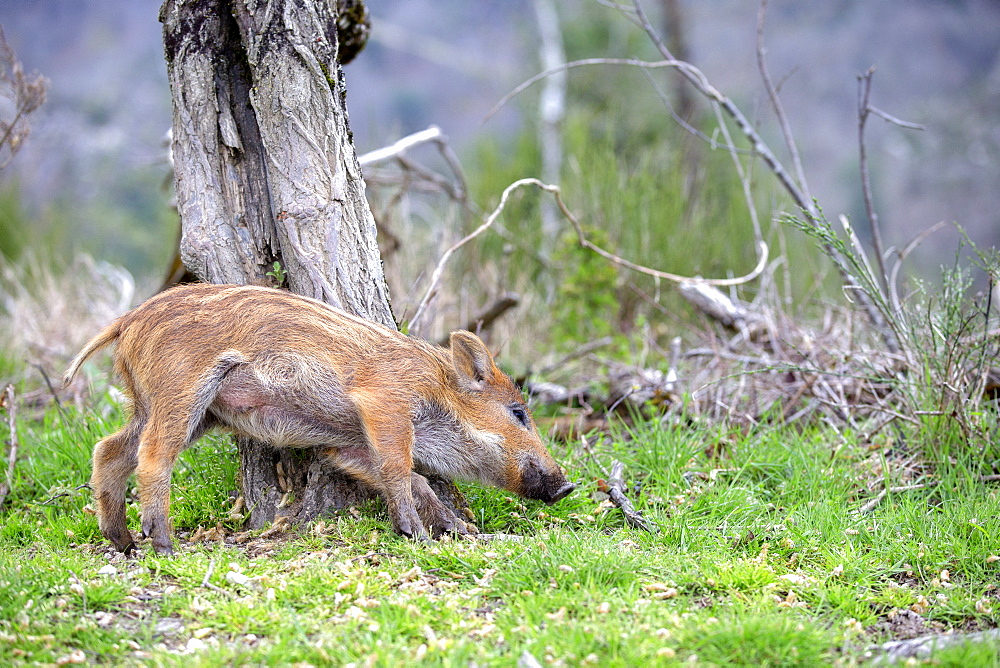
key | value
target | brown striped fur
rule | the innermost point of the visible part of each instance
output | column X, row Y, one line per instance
column 295, row 372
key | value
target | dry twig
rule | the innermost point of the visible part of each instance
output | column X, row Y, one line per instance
column 583, row 241
column 872, row 503
column 485, row 319
column 615, row 489
column 7, row 402
column 26, row 95
column 798, row 194
column 897, row 650
column 208, row 585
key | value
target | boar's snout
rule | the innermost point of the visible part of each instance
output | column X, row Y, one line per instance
column 562, row 491
column 546, row 484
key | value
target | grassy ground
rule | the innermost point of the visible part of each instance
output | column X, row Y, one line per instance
column 762, row 559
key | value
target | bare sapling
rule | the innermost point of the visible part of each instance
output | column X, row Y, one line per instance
column 298, row 373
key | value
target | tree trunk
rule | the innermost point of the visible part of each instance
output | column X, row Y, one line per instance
column 265, row 172
column 673, row 23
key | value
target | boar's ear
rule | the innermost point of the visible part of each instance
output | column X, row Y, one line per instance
column 472, row 360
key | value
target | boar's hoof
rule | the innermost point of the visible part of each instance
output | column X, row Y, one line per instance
column 122, row 540
column 160, row 536
column 163, row 549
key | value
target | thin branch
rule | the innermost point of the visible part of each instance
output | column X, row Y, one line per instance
column 439, row 269
column 762, row 249
column 806, row 204
column 744, row 179
column 582, row 351
column 485, row 319
column 432, row 133
column 895, row 121
column 216, row 588
column 7, row 401
column 779, row 110
column 872, row 503
column 633, row 62
column 864, row 95
column 687, row 127
column 698, row 79
column 901, row 257
column 704, row 86
column 583, row 241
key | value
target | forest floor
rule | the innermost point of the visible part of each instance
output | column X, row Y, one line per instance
column 774, row 546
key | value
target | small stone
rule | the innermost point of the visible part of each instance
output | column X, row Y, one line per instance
column 196, row 645
column 237, row 578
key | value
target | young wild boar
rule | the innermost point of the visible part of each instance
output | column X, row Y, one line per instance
column 295, row 372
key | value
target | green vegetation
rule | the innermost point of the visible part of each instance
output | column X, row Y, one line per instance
column 762, row 559
column 855, row 504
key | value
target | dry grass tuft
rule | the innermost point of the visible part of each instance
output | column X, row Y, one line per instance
column 46, row 317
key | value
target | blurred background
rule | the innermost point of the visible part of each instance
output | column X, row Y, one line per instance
column 93, row 176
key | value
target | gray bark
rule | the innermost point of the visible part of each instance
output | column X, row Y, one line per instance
column 265, row 166
column 265, row 171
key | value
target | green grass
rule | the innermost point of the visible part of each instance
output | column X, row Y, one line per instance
column 761, row 560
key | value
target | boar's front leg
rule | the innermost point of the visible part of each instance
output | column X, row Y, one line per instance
column 436, row 516
column 386, row 462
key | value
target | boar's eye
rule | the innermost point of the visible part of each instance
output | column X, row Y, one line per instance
column 520, row 414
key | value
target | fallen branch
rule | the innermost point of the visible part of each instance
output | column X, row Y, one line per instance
column 431, row 134
column 7, row 402
column 484, row 320
column 716, row 305
column 872, row 503
column 614, row 487
column 897, row 650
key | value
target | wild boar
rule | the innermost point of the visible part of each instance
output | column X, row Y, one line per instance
column 295, row 372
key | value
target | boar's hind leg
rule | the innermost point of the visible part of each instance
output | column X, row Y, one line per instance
column 436, row 516
column 161, row 441
column 114, row 461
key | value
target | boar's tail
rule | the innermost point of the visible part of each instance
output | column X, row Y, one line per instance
column 105, row 338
